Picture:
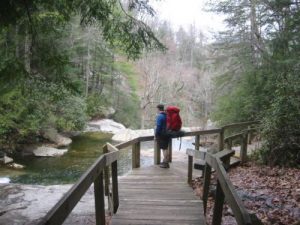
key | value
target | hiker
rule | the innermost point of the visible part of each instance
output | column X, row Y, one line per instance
column 161, row 136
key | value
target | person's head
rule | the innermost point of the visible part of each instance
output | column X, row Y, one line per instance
column 160, row 107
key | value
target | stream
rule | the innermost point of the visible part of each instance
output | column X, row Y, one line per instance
column 82, row 153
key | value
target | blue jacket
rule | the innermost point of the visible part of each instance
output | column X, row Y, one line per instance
column 161, row 124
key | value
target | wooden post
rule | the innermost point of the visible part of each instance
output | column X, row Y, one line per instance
column 156, row 153
column 170, row 150
column 221, row 140
column 244, row 143
column 190, row 169
column 197, row 142
column 218, row 207
column 230, row 144
column 249, row 135
column 99, row 200
column 136, row 151
column 207, row 174
column 115, row 191
column 106, row 173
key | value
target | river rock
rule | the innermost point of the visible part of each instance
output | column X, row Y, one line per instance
column 6, row 160
column 28, row 204
column 49, row 151
column 4, row 180
column 128, row 134
column 105, row 125
column 16, row 166
column 60, row 140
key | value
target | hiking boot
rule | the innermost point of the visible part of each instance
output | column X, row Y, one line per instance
column 164, row 165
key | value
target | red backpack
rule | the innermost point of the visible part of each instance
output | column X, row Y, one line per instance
column 174, row 122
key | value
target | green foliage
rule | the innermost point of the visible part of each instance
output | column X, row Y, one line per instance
column 127, row 69
column 128, row 111
column 97, row 105
column 56, row 66
column 268, row 90
column 70, row 113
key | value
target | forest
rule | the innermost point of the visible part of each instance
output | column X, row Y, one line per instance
column 63, row 64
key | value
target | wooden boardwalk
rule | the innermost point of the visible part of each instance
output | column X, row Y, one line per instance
column 152, row 195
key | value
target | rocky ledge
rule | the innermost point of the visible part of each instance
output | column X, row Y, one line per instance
column 28, row 204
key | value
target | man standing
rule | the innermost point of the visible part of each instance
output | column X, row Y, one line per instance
column 160, row 135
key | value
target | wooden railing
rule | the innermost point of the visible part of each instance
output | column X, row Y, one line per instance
column 106, row 166
column 225, row 190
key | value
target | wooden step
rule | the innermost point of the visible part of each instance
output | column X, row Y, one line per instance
column 200, row 164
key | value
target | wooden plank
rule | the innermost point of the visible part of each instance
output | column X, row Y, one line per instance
column 156, row 153
column 235, row 125
column 234, row 136
column 126, row 144
column 157, row 196
column 218, row 206
column 224, row 154
column 232, row 199
column 106, row 173
column 207, row 174
column 190, row 169
column 221, row 139
column 111, row 148
column 111, row 157
column 115, row 189
column 136, row 149
column 201, row 132
column 170, row 150
column 219, row 200
column 146, row 138
column 99, row 200
column 156, row 222
column 197, row 142
column 196, row 154
column 244, row 143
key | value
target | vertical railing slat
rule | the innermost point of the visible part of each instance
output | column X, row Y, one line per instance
column 190, row 169
column 197, row 142
column 170, row 149
column 156, row 153
column 221, row 140
column 99, row 200
column 207, row 174
column 115, row 191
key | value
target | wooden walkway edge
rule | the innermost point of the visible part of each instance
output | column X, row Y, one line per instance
column 153, row 195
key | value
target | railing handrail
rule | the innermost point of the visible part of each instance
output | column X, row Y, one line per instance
column 235, row 203
column 94, row 174
column 65, row 205
column 225, row 189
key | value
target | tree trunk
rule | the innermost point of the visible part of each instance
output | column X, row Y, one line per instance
column 87, row 66
column 17, row 40
column 27, row 51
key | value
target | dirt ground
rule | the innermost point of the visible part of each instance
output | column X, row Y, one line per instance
column 273, row 194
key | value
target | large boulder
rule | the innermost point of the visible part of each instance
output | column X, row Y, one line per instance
column 105, row 125
column 6, row 160
column 28, row 204
column 60, row 140
column 49, row 151
column 128, row 134
column 4, row 180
